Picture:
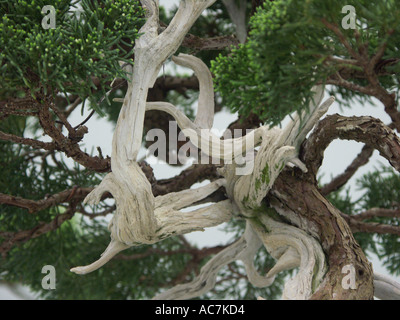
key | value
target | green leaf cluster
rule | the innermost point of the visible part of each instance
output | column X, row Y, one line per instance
column 288, row 49
column 86, row 44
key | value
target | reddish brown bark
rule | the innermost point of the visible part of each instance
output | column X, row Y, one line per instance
column 335, row 236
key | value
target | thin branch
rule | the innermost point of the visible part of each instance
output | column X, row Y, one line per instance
column 339, row 181
column 36, row 144
column 370, row 227
column 197, row 256
column 86, row 120
column 72, row 107
column 16, row 238
column 215, row 43
column 151, row 252
column 342, row 62
column 377, row 212
column 69, row 145
column 378, row 55
column 189, row 176
column 33, row 206
column 373, row 132
column 199, row 44
column 369, row 66
column 103, row 213
column 63, row 119
column 200, row 253
column 340, row 82
column 336, row 30
column 19, row 113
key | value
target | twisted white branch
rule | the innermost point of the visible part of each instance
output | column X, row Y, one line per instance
column 134, row 220
column 244, row 249
column 386, row 288
column 169, row 221
column 278, row 148
column 292, row 247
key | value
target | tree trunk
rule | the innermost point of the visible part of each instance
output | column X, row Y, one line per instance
column 299, row 201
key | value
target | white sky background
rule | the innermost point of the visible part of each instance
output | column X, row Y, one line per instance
column 337, row 157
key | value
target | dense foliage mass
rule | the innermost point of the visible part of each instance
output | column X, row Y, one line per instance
column 292, row 46
column 85, row 45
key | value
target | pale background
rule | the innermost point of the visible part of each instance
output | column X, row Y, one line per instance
column 337, row 157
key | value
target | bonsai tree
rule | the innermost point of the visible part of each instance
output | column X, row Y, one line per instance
column 279, row 65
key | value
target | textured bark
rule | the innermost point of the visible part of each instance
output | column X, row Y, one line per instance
column 325, row 222
column 371, row 131
column 33, row 206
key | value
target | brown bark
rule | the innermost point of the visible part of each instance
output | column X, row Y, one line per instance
column 215, row 43
column 193, row 174
column 69, row 145
column 335, row 229
column 16, row 238
column 336, row 238
column 373, row 132
column 33, row 206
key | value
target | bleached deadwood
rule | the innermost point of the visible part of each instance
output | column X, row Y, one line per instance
column 237, row 13
column 289, row 245
column 205, row 139
column 169, row 221
column 205, row 109
column 292, row 247
column 386, row 288
column 243, row 249
column 134, row 220
column 199, row 131
column 278, row 148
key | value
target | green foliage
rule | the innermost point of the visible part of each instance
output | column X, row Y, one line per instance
column 109, row 107
column 288, row 50
column 80, row 242
column 382, row 190
column 68, row 58
column 33, row 180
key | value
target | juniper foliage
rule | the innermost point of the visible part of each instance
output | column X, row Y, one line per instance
column 289, row 50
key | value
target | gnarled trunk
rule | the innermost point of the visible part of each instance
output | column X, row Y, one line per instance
column 302, row 204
